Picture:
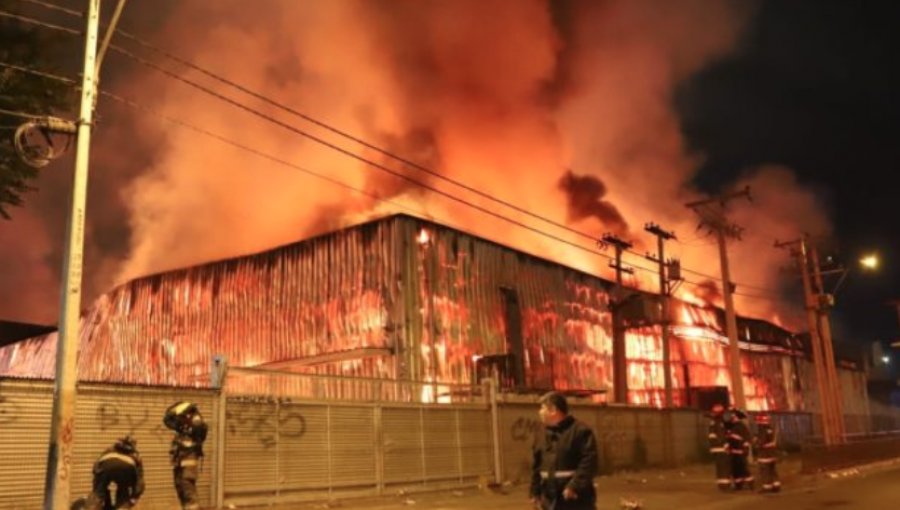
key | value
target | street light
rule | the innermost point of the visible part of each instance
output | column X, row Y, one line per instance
column 869, row 262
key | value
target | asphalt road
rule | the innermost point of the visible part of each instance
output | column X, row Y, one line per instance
column 872, row 488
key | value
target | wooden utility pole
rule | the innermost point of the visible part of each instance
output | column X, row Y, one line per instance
column 826, row 302
column 832, row 420
column 712, row 215
column 665, row 292
column 620, row 363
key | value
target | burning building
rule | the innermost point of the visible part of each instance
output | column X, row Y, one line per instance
column 402, row 298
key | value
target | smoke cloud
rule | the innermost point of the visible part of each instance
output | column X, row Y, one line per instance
column 504, row 95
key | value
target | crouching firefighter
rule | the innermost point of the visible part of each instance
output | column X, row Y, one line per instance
column 718, row 447
column 565, row 459
column 118, row 478
column 739, row 447
column 186, row 451
column 764, row 448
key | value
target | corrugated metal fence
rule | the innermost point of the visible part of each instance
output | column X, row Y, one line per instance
column 626, row 436
column 103, row 414
column 279, row 448
column 282, row 445
column 280, row 451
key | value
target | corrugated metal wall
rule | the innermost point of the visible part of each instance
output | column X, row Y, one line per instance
column 103, row 414
column 566, row 323
column 435, row 305
column 325, row 295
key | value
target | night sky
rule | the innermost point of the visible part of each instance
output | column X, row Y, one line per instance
column 814, row 86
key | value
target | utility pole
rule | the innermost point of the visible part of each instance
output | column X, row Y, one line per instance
column 665, row 292
column 714, row 219
column 620, row 362
column 825, row 301
column 62, row 424
column 824, row 386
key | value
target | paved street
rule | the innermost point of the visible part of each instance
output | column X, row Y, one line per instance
column 868, row 488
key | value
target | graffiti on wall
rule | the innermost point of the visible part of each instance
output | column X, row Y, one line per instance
column 266, row 421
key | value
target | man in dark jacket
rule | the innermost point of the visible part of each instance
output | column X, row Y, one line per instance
column 565, row 459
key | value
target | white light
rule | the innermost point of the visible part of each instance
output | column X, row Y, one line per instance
column 869, row 261
column 886, row 359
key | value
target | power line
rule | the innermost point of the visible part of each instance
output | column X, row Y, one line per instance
column 54, row 7
column 21, row 115
column 35, row 72
column 272, row 158
column 340, row 149
column 26, row 19
column 332, row 129
column 346, row 135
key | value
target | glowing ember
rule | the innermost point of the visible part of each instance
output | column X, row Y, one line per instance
column 424, row 237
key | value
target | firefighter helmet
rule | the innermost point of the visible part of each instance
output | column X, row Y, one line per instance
column 126, row 445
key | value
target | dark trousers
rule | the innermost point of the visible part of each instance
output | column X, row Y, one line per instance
column 740, row 471
column 112, row 472
column 724, row 478
column 768, row 475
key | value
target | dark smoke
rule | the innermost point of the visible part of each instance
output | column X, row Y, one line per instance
column 584, row 194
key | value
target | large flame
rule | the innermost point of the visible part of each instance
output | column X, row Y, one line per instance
column 530, row 101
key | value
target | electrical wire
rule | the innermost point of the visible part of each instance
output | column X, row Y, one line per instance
column 340, row 149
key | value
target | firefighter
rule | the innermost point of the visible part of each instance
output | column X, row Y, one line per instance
column 765, row 453
column 718, row 447
column 186, row 451
column 119, row 466
column 564, row 459
column 738, row 447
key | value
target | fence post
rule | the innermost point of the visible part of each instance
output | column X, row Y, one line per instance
column 491, row 394
column 219, row 375
column 379, row 449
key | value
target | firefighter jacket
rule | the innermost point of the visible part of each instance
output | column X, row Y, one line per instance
column 738, row 438
column 718, row 435
column 565, row 456
column 764, row 446
column 190, row 432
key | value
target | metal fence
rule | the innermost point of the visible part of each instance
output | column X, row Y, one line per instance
column 276, row 439
column 292, row 437
column 103, row 414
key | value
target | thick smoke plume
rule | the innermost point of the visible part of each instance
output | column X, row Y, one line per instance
column 505, row 95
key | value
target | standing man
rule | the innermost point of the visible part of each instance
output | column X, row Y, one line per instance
column 565, row 459
column 718, row 447
column 119, row 466
column 765, row 453
column 739, row 447
column 186, row 450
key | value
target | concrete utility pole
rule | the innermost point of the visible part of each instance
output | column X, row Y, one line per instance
column 712, row 215
column 620, row 363
column 57, row 483
column 832, row 421
column 665, row 291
